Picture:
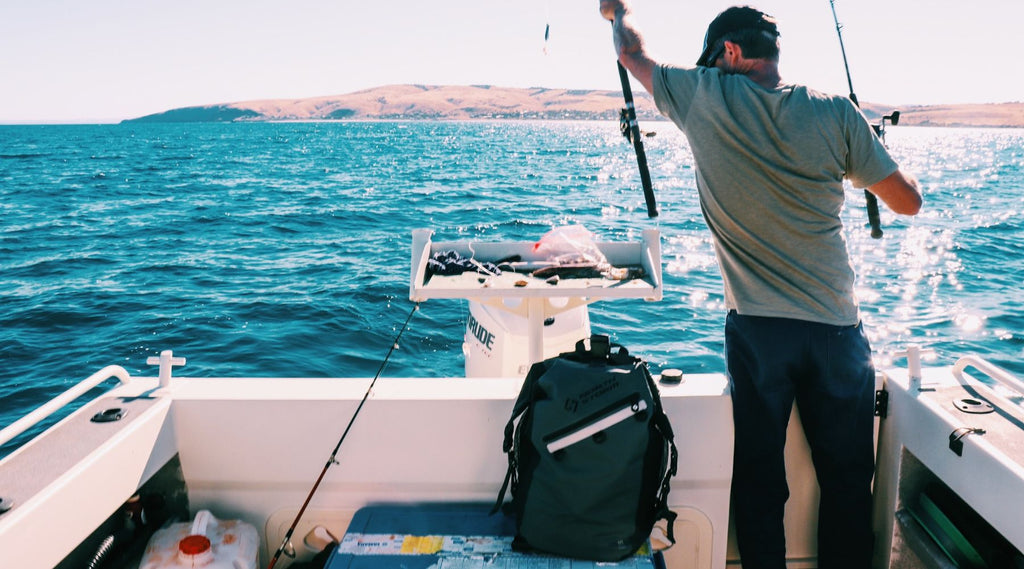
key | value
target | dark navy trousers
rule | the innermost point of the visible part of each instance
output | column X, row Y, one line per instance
column 828, row 371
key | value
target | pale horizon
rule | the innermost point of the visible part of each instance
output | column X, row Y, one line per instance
column 106, row 61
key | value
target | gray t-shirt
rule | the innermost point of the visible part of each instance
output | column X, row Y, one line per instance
column 770, row 166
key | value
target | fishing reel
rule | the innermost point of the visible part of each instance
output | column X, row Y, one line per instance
column 894, row 119
column 626, row 129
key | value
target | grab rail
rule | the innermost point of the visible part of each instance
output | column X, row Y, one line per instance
column 28, row 421
column 996, row 373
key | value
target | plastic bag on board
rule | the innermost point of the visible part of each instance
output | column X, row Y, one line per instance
column 572, row 247
column 570, row 244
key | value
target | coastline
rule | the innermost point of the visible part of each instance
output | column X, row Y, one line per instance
column 452, row 103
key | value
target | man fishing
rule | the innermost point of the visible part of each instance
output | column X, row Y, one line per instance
column 770, row 162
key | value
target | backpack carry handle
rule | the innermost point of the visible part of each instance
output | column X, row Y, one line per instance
column 600, row 349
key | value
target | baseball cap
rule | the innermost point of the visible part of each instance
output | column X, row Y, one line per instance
column 735, row 19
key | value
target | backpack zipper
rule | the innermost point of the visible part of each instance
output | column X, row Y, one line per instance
column 596, row 423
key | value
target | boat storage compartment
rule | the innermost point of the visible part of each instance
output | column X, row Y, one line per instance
column 950, row 464
column 203, row 542
column 462, row 536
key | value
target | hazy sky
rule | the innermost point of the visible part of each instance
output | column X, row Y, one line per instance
column 105, row 60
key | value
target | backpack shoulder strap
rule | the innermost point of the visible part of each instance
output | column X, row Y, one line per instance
column 527, row 394
column 664, row 427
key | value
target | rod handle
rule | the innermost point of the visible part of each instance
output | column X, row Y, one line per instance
column 876, row 224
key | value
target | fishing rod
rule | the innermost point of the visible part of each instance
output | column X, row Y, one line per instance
column 873, row 219
column 638, row 145
column 331, row 461
column 632, row 128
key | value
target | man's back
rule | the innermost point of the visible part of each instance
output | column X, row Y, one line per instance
column 770, row 165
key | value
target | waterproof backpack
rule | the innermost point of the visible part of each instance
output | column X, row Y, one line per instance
column 591, row 456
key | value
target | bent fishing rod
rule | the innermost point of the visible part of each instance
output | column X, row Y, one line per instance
column 332, row 460
column 872, row 200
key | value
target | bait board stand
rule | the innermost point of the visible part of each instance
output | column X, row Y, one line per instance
column 535, row 298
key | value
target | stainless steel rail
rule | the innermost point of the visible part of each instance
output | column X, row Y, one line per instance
column 996, row 373
column 28, row 421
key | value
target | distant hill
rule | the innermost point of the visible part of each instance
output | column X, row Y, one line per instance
column 996, row 114
column 421, row 102
column 448, row 102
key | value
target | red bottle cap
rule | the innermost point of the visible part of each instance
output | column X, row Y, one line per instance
column 194, row 545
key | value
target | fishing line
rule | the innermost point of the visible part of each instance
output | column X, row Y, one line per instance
column 330, row 461
column 873, row 219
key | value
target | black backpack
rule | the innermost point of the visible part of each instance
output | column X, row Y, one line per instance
column 590, row 459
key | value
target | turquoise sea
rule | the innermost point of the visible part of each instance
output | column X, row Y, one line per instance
column 283, row 249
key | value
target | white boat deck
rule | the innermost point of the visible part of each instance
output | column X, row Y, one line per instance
column 250, row 449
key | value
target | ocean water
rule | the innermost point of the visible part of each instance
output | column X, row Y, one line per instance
column 284, row 249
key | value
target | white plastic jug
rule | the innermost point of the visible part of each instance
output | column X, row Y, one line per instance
column 206, row 542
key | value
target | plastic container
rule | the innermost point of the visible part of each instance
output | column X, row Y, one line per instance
column 205, row 542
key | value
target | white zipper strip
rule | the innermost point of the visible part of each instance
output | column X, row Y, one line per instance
column 594, row 428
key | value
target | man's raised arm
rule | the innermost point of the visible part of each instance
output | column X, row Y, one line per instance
column 629, row 45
